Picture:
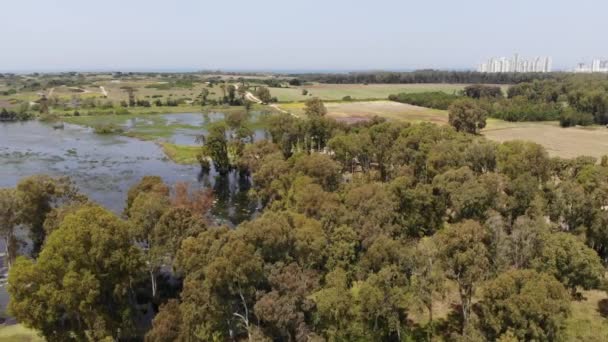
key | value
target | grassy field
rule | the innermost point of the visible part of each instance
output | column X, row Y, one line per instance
column 181, row 154
column 562, row 142
column 358, row 91
column 358, row 111
column 18, row 333
column 586, row 322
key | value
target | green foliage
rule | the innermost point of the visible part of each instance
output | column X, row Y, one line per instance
column 570, row 261
column 215, row 146
column 147, row 184
column 571, row 117
column 37, row 196
column 9, row 218
column 515, row 158
column 108, row 129
column 522, row 109
column 529, row 305
column 80, row 285
column 314, row 108
column 263, row 94
column 437, row 100
column 22, row 115
column 465, row 256
column 467, row 116
column 478, row 91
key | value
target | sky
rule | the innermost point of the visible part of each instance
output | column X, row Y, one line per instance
column 288, row 35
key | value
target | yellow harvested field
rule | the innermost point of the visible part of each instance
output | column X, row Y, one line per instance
column 560, row 142
column 359, row 111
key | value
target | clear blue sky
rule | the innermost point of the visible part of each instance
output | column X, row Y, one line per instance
column 46, row 35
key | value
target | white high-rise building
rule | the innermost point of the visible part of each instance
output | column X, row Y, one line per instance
column 597, row 65
column 548, row 64
column 516, row 64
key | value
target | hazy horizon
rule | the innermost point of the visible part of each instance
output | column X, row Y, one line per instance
column 189, row 35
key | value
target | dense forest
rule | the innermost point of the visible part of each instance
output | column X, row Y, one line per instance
column 362, row 231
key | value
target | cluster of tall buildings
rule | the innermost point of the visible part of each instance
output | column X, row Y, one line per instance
column 516, row 64
column 597, row 65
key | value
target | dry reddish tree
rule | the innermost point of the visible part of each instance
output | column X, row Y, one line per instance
column 198, row 201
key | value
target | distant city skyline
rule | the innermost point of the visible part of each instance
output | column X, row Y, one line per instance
column 517, row 64
column 271, row 35
column 598, row 65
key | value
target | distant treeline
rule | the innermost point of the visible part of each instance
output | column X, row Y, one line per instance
column 427, row 76
column 574, row 100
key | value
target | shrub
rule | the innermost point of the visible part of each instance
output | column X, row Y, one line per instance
column 107, row 129
column 521, row 109
column 570, row 117
column 478, row 91
column 437, row 100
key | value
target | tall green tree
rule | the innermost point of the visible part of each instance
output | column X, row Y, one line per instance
column 80, row 287
column 428, row 279
column 37, row 196
column 314, row 108
column 467, row 116
column 532, row 306
column 215, row 146
column 571, row 262
column 263, row 94
column 465, row 256
column 204, row 95
column 144, row 214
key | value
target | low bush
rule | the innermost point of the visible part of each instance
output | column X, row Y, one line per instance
column 570, row 117
column 437, row 100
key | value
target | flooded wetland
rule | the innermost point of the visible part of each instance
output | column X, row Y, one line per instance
column 105, row 166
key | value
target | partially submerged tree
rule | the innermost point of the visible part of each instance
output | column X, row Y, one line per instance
column 9, row 217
